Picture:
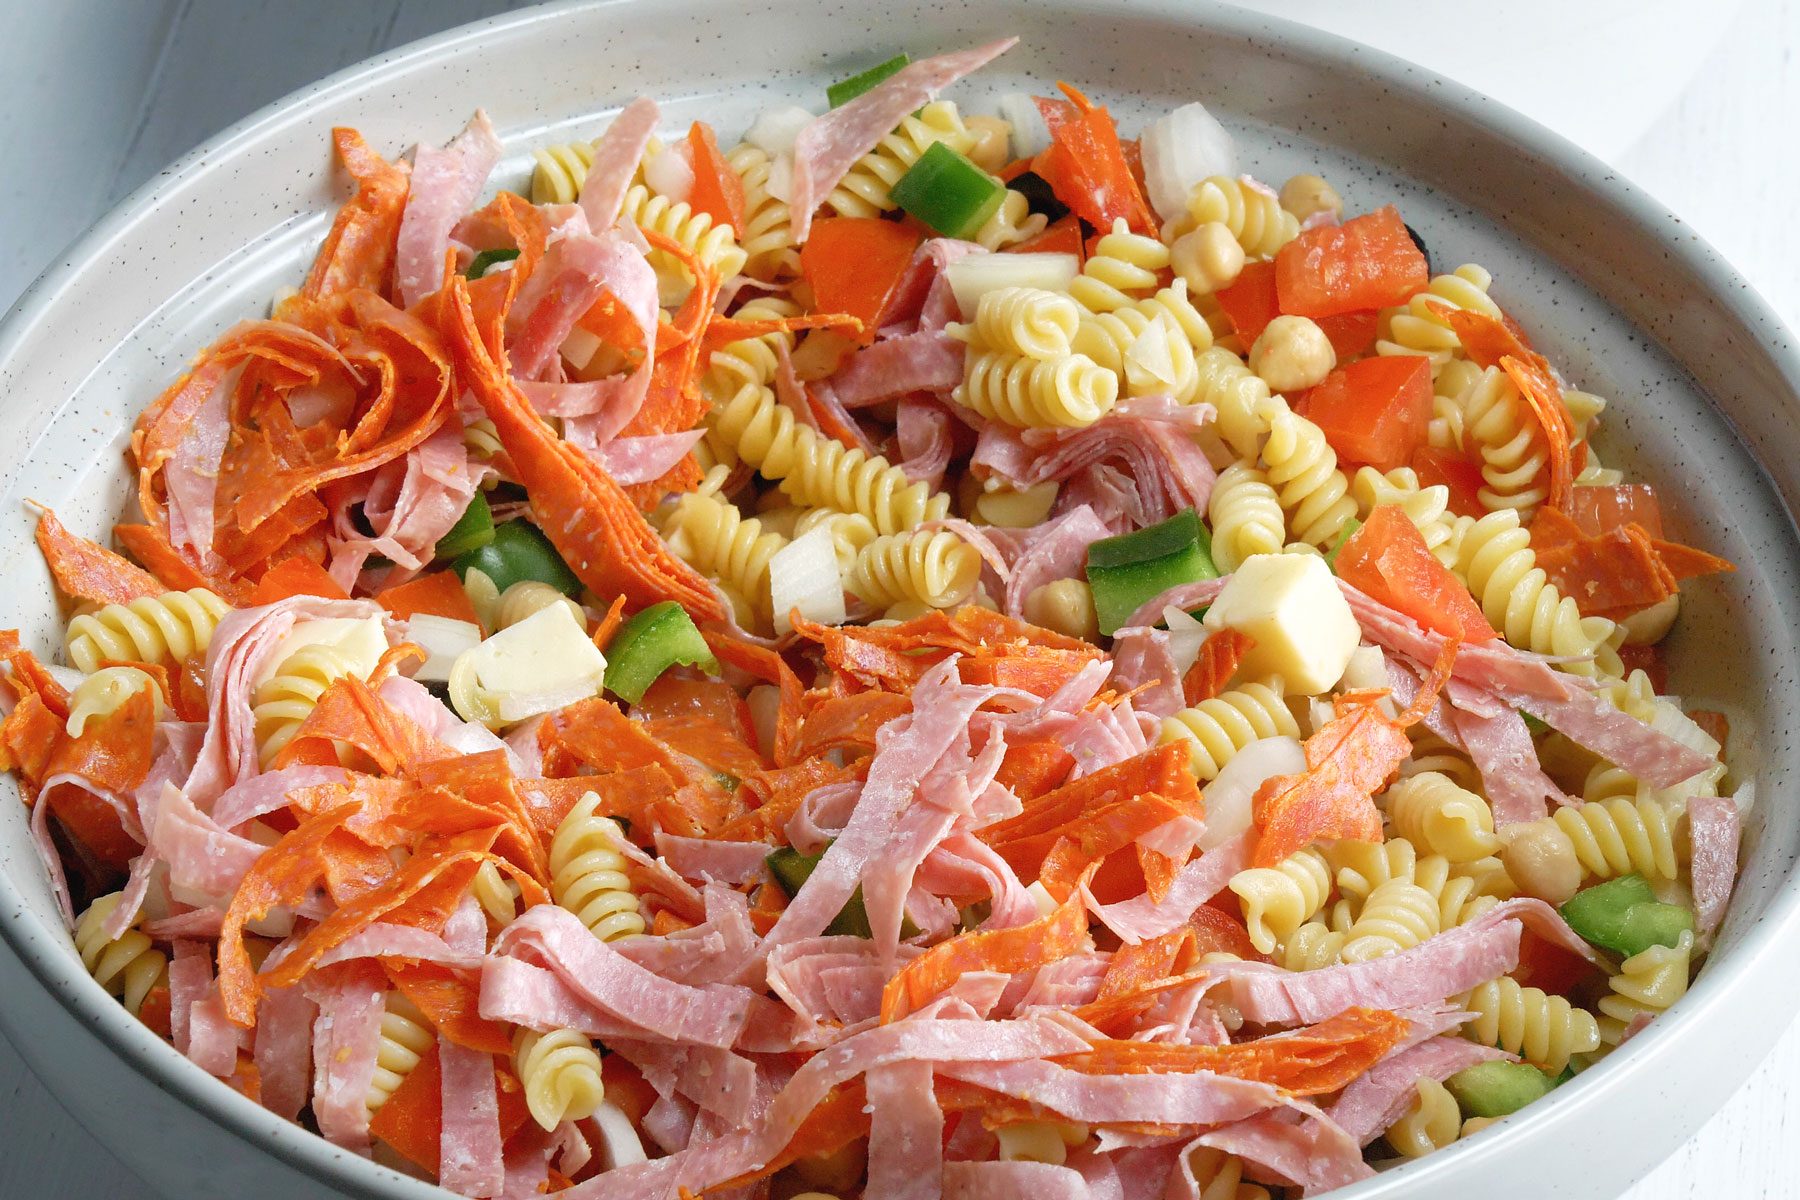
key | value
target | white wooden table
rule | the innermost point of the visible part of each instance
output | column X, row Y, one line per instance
column 125, row 86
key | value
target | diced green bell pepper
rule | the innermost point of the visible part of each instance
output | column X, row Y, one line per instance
column 651, row 642
column 473, row 530
column 1127, row 570
column 1624, row 916
column 846, row 90
column 792, row 869
column 1497, row 1089
column 519, row 550
column 948, row 193
column 482, row 263
column 1653, row 924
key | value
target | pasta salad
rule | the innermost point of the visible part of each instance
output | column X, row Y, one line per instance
column 919, row 655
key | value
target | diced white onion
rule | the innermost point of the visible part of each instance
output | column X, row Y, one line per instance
column 670, row 173
column 1030, row 136
column 780, row 183
column 1150, row 363
column 1179, row 151
column 975, row 275
column 804, row 575
column 69, row 677
column 580, row 346
column 1186, row 634
column 775, row 129
column 1228, row 797
column 1040, row 896
column 764, row 702
column 620, row 1145
column 442, row 639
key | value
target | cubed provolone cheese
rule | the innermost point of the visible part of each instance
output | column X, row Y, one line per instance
column 364, row 639
column 1291, row 607
column 539, row 665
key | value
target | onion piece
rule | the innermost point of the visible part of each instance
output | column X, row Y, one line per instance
column 804, row 575
column 1179, row 151
column 670, row 173
column 1030, row 136
column 774, row 130
column 620, row 1145
column 1228, row 798
column 780, row 183
column 974, row 275
column 442, row 639
column 1186, row 635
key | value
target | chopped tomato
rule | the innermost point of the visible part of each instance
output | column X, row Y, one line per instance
column 1250, row 303
column 1387, row 558
column 1373, row 411
column 1351, row 333
column 1060, row 237
column 1458, row 472
column 1599, row 510
column 1367, row 262
column 295, row 576
column 854, row 264
column 718, row 191
column 1086, row 166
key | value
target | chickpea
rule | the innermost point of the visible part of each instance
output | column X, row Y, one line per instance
column 1208, row 258
column 1011, row 509
column 1541, row 860
column 1307, row 195
column 1065, row 606
column 993, row 142
column 1292, row 354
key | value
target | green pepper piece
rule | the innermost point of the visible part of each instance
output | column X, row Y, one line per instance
column 1331, row 555
column 1598, row 913
column 1126, row 571
column 650, row 643
column 1497, row 1089
column 1653, row 924
column 519, row 550
column 846, row 90
column 792, row 869
column 473, row 530
column 948, row 193
column 482, row 263
column 1533, row 726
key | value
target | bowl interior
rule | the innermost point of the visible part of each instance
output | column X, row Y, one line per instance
column 1578, row 265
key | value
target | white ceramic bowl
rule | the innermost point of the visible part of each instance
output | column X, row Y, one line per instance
column 1618, row 293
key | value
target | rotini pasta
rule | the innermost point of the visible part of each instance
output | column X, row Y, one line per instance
column 559, row 171
column 560, row 1072
column 127, row 967
column 1302, row 466
column 1513, row 452
column 1013, row 222
column 1039, row 1141
column 1495, row 559
column 102, row 693
column 1647, row 983
column 1245, row 514
column 587, row 873
column 766, row 240
column 1604, row 840
column 284, row 701
column 1144, row 348
column 1216, row 729
column 864, row 191
column 1278, row 900
column 1397, row 916
column 1247, row 409
column 714, row 246
column 1431, row 1122
column 850, row 532
column 1029, row 322
column 1220, row 1176
column 1544, row 1030
column 527, row 598
column 1418, row 328
column 1249, row 210
column 163, row 629
column 1313, row 947
column 497, row 895
column 937, row 569
column 1123, row 263
column 716, row 538
column 1067, row 393
column 406, row 1037
column 1426, row 507
column 1440, row 817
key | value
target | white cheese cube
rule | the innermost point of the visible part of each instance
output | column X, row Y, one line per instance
column 1291, row 606
column 539, row 665
column 364, row 639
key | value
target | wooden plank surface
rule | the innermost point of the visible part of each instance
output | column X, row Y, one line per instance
column 119, row 90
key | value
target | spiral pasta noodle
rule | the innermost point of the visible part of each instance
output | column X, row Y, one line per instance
column 1313, row 947
column 128, row 966
column 1250, row 211
column 560, row 1072
column 406, row 1037
column 1122, row 263
column 1495, row 559
column 1426, row 507
column 1647, row 983
column 714, row 245
column 163, row 629
column 1145, row 349
column 715, row 538
column 1607, row 838
column 1417, row 328
column 766, row 240
column 1217, row 728
column 1440, row 817
column 559, row 171
column 1432, row 1121
column 1462, row 893
column 850, row 532
column 752, row 360
column 587, row 873
column 1039, row 1141
column 1246, row 408
column 1397, row 916
column 1544, row 1030
column 1514, row 455
column 1220, row 1176
column 1302, row 466
column 865, row 189
column 1026, row 321
column 1013, row 222
column 936, row 569
column 1245, row 514
column 497, row 895
column 481, row 439
column 527, row 598
column 281, row 704
column 1068, row 393
column 101, row 694
column 1277, row 900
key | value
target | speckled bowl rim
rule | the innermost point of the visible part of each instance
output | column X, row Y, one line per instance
column 52, row 966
